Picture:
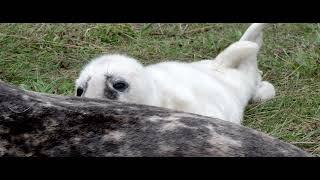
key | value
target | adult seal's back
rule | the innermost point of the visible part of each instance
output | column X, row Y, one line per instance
column 34, row 124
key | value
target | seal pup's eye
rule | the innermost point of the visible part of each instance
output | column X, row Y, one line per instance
column 120, row 86
column 79, row 91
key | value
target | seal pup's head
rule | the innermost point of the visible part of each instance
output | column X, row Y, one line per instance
column 115, row 77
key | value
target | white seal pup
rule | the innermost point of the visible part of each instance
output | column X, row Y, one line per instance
column 219, row 88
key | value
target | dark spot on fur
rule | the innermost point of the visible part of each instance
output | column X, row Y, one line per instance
column 111, row 94
column 112, row 147
column 108, row 77
column 108, row 91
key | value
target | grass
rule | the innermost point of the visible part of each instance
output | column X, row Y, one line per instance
column 48, row 57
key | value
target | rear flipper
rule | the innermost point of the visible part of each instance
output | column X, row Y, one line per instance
column 254, row 33
column 248, row 46
column 265, row 91
column 239, row 55
column 242, row 55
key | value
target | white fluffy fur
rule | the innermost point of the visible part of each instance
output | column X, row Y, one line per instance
column 219, row 88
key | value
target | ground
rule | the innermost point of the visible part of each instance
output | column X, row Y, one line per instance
column 48, row 57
